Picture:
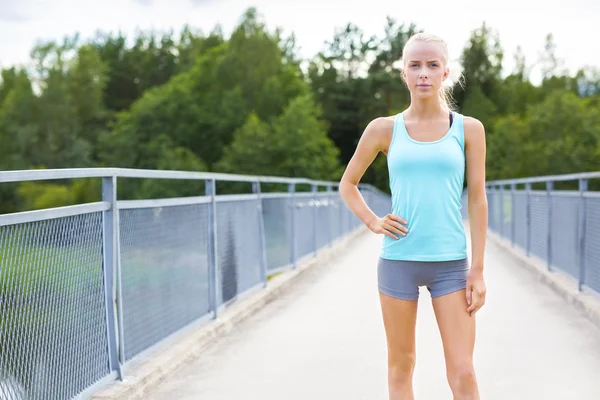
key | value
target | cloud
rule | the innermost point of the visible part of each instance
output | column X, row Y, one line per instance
column 10, row 13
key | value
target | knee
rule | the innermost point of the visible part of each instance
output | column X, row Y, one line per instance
column 462, row 377
column 401, row 367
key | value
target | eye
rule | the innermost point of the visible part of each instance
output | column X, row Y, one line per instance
column 434, row 65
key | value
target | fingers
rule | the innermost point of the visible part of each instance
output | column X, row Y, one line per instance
column 395, row 228
column 473, row 303
column 390, row 225
column 397, row 218
column 475, row 299
column 388, row 234
column 393, row 223
column 469, row 296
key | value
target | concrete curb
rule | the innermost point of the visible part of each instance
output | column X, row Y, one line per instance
column 143, row 375
column 564, row 285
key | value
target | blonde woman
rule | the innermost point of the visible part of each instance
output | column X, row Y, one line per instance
column 429, row 148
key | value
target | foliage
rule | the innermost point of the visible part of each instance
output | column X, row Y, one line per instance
column 248, row 104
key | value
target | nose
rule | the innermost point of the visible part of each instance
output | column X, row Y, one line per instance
column 423, row 73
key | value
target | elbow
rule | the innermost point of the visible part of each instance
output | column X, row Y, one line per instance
column 345, row 187
column 477, row 196
column 478, row 201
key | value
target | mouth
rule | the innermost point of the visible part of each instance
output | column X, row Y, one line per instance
column 423, row 85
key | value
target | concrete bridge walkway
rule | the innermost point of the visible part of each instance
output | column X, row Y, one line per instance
column 324, row 339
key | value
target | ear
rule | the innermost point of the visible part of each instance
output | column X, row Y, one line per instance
column 446, row 73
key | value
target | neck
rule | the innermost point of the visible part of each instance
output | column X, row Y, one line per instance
column 426, row 108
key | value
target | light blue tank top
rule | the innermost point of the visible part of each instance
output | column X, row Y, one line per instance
column 426, row 182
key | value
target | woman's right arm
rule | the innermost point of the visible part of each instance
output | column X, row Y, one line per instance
column 374, row 139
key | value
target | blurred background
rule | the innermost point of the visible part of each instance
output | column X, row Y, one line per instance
column 278, row 88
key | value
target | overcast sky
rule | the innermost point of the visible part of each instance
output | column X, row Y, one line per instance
column 519, row 22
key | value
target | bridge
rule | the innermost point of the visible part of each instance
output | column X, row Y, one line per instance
column 270, row 292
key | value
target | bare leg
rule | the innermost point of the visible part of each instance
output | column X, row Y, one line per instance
column 399, row 319
column 457, row 329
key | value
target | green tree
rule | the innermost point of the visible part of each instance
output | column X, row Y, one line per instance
column 171, row 157
column 18, row 121
column 294, row 144
column 202, row 108
column 567, row 133
column 481, row 62
column 385, row 73
column 509, row 149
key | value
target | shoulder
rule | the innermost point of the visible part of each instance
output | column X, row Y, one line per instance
column 381, row 125
column 379, row 131
column 474, row 130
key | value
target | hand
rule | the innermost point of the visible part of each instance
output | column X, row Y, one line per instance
column 475, row 290
column 389, row 224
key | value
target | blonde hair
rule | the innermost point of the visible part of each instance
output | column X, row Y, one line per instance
column 445, row 93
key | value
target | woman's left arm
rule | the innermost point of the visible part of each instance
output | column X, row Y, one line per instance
column 475, row 156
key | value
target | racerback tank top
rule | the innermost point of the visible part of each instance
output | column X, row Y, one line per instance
column 426, row 182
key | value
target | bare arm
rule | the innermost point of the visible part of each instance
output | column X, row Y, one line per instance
column 374, row 139
column 475, row 149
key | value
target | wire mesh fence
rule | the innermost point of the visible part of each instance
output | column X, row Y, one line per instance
column 87, row 289
column 53, row 332
column 559, row 227
column 239, row 247
column 591, row 246
column 164, row 272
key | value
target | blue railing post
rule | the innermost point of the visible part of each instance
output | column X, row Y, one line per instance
column 549, row 188
column 213, row 270
column 315, row 190
column 292, row 192
column 528, row 212
column 583, row 187
column 261, row 229
column 513, row 215
column 491, row 210
column 330, row 215
column 110, row 227
column 501, row 227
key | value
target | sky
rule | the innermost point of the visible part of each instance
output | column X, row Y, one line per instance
column 522, row 23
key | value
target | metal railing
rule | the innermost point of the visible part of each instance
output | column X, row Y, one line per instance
column 560, row 227
column 86, row 289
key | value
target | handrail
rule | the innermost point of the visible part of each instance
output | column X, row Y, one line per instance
column 74, row 173
column 548, row 178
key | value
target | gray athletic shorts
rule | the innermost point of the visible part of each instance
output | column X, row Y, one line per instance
column 401, row 279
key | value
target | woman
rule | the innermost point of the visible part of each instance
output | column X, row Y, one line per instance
column 428, row 148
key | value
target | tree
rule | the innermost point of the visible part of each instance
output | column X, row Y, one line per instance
column 550, row 63
column 294, row 144
column 482, row 64
column 202, row 108
column 510, row 149
column 170, row 157
column 385, row 73
column 18, row 121
column 566, row 130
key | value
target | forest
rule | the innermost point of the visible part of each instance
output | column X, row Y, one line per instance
column 248, row 104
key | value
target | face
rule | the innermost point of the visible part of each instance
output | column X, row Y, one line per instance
column 424, row 68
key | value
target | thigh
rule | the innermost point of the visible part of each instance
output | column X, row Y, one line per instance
column 399, row 319
column 456, row 326
column 399, row 279
column 447, row 276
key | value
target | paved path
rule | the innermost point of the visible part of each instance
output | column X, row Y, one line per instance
column 324, row 340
